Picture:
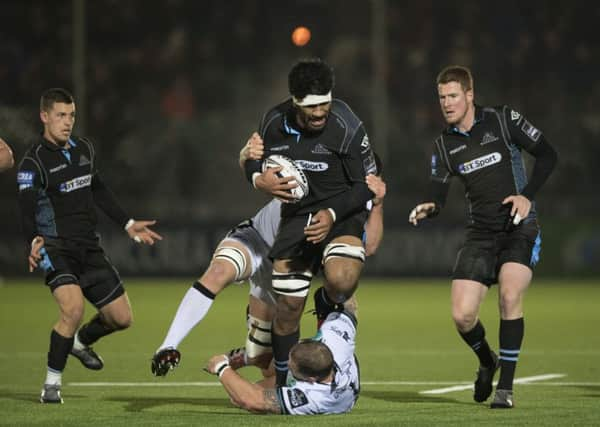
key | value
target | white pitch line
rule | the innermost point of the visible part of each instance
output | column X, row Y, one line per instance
column 524, row 380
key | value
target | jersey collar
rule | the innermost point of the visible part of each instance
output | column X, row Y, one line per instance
column 54, row 147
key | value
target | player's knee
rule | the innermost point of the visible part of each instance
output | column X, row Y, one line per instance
column 229, row 264
column 72, row 314
column 509, row 299
column 120, row 320
column 340, row 284
column 464, row 320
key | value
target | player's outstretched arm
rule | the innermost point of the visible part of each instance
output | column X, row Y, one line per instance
column 420, row 212
column 139, row 231
column 244, row 394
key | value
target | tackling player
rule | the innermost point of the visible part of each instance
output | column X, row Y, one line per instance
column 59, row 188
column 325, row 373
column 482, row 147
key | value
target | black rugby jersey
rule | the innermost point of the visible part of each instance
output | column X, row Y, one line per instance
column 58, row 189
column 334, row 160
column 489, row 162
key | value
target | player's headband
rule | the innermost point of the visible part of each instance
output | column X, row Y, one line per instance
column 309, row 100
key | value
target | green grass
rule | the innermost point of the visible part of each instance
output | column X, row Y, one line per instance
column 405, row 334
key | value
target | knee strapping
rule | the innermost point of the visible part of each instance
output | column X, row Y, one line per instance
column 294, row 283
column 235, row 257
column 343, row 250
column 258, row 341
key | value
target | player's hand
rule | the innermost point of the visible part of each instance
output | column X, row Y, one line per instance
column 140, row 232
column 253, row 150
column 270, row 183
column 420, row 212
column 377, row 186
column 319, row 226
column 521, row 206
column 216, row 363
column 34, row 254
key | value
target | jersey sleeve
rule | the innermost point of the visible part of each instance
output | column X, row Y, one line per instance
column 440, row 177
column 29, row 183
column 359, row 161
column 295, row 401
column 522, row 132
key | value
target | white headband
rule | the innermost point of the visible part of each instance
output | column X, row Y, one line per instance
column 309, row 100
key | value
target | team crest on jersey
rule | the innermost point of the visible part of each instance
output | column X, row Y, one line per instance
column 312, row 166
column 480, row 163
column 514, row 115
column 320, row 149
column 75, row 184
column 488, row 138
column 297, row 397
column 531, row 131
column 83, row 161
column 25, row 179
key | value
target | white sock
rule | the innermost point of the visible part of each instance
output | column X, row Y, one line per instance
column 53, row 377
column 77, row 345
column 191, row 311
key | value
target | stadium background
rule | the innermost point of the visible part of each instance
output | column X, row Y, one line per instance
column 171, row 90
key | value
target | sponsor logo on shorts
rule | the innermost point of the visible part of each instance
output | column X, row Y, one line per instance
column 456, row 150
column 312, row 166
column 480, row 163
column 75, row 184
column 25, row 179
column 280, row 148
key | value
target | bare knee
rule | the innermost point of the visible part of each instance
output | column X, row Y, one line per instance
column 218, row 275
column 71, row 315
column 464, row 319
column 340, row 282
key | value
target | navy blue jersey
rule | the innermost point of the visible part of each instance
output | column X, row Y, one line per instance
column 59, row 188
column 334, row 160
column 489, row 161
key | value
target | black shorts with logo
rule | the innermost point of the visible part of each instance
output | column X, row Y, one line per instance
column 83, row 264
column 291, row 243
column 484, row 252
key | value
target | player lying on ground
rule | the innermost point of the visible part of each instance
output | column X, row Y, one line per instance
column 243, row 255
column 323, row 373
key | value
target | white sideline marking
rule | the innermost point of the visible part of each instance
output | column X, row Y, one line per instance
column 524, row 380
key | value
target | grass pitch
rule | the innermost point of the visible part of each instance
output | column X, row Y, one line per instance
column 407, row 345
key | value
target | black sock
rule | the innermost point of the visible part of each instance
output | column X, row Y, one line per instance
column 60, row 347
column 282, row 344
column 94, row 330
column 475, row 338
column 511, row 337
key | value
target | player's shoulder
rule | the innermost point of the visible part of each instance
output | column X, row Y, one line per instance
column 509, row 112
column 344, row 113
column 275, row 115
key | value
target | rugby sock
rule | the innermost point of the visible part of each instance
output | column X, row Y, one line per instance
column 192, row 309
column 511, row 337
column 60, row 347
column 282, row 344
column 475, row 338
column 92, row 331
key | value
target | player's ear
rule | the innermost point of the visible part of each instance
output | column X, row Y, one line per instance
column 44, row 116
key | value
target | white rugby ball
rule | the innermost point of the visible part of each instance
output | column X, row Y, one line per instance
column 289, row 169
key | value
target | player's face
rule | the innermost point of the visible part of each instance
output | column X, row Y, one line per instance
column 58, row 122
column 313, row 117
column 455, row 102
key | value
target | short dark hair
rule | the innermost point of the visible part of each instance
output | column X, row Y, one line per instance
column 310, row 77
column 312, row 359
column 54, row 95
column 456, row 73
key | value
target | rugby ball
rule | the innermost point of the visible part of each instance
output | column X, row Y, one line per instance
column 289, row 169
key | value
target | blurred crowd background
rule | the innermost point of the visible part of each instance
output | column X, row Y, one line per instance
column 172, row 89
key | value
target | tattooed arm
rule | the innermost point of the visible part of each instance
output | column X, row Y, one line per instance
column 244, row 394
